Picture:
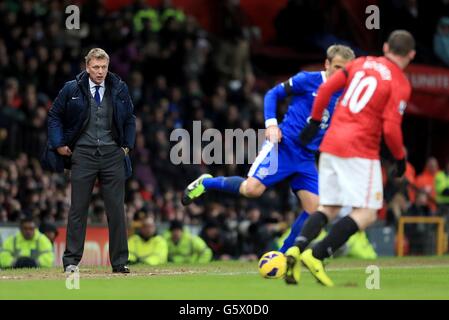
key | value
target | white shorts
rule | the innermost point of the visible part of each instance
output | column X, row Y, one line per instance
column 352, row 182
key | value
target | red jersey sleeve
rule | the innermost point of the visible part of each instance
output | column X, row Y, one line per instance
column 392, row 121
column 325, row 92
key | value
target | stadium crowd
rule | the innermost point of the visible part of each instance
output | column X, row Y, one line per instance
column 177, row 73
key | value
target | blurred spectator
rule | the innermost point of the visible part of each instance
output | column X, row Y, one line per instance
column 216, row 239
column 184, row 247
column 441, row 40
column 146, row 19
column 425, row 182
column 417, row 16
column 442, row 190
column 233, row 61
column 177, row 72
column 146, row 246
column 305, row 17
column 410, row 180
column 421, row 206
column 417, row 233
column 166, row 11
column 359, row 246
column 232, row 55
column 49, row 230
column 257, row 234
column 399, row 193
column 27, row 249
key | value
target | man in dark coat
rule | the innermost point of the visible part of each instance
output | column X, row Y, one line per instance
column 91, row 130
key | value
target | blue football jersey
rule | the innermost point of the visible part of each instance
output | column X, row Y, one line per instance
column 304, row 87
column 290, row 160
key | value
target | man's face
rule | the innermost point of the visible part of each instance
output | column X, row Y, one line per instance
column 212, row 233
column 421, row 199
column 335, row 64
column 27, row 230
column 432, row 165
column 176, row 235
column 97, row 69
column 148, row 229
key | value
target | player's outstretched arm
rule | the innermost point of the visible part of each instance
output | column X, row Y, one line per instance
column 294, row 85
column 271, row 99
column 278, row 93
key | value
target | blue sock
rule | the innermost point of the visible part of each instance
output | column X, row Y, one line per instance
column 224, row 184
column 294, row 232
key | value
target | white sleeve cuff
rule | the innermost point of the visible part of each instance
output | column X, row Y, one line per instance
column 271, row 122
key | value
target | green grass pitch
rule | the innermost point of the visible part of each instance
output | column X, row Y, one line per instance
column 400, row 278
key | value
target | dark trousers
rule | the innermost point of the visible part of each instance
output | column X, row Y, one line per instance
column 106, row 164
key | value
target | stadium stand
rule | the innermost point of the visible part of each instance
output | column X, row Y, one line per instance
column 180, row 68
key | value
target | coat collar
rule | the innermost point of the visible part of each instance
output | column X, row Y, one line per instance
column 112, row 81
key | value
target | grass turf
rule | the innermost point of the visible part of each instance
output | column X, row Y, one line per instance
column 400, row 278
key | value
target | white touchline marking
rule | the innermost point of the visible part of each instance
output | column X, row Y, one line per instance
column 339, row 269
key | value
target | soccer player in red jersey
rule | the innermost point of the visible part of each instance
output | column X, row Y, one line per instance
column 375, row 96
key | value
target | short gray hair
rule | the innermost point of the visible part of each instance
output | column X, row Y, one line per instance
column 96, row 53
column 340, row 50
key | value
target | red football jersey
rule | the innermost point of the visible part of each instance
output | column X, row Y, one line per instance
column 375, row 96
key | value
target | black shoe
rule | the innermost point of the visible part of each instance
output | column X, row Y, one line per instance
column 71, row 269
column 120, row 269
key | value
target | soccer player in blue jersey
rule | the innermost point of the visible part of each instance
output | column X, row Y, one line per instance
column 282, row 156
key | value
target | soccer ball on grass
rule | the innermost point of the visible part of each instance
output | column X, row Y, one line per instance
column 272, row 265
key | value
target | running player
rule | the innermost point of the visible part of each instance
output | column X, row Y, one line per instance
column 374, row 100
column 282, row 156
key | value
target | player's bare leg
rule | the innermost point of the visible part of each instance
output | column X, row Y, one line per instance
column 316, row 222
column 252, row 188
column 309, row 203
column 363, row 217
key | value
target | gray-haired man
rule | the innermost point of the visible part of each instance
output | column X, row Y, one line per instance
column 92, row 126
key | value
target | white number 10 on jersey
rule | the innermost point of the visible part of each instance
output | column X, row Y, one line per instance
column 359, row 85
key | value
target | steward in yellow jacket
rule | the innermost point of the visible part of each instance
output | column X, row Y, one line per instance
column 146, row 246
column 27, row 249
column 184, row 247
column 442, row 187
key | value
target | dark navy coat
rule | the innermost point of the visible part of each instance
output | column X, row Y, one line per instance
column 69, row 116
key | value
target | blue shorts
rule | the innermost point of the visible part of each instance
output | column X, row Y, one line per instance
column 291, row 162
